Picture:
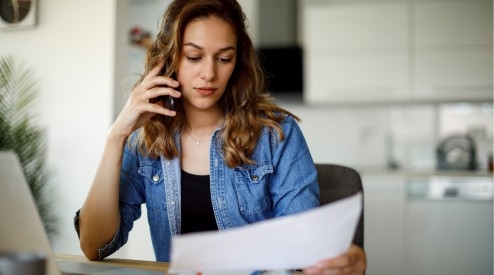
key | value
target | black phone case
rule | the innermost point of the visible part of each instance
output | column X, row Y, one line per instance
column 168, row 101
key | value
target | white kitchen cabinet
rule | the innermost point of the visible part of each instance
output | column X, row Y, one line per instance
column 448, row 223
column 397, row 51
column 427, row 223
column 355, row 51
column 454, row 75
column 444, row 23
column 384, row 201
column 452, row 50
column 356, row 78
column 355, row 25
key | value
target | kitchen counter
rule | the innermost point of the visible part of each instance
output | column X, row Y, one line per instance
column 404, row 172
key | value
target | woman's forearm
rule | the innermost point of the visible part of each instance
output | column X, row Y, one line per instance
column 99, row 217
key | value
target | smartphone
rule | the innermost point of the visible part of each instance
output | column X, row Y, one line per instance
column 168, row 101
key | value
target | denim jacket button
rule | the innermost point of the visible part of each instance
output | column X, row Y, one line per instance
column 156, row 178
column 254, row 177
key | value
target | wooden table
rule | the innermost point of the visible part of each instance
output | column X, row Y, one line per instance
column 149, row 265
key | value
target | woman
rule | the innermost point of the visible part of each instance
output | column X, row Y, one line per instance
column 224, row 157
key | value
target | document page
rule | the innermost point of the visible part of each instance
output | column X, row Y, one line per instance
column 289, row 242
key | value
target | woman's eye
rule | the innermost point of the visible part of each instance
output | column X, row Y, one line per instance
column 193, row 58
column 224, row 60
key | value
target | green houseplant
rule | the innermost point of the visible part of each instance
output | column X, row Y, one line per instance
column 18, row 91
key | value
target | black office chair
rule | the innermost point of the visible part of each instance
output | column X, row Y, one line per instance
column 338, row 182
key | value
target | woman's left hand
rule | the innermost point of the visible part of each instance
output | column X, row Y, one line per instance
column 352, row 262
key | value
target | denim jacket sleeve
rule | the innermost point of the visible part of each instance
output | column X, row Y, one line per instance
column 293, row 185
column 102, row 252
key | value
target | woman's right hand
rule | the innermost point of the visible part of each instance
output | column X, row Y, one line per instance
column 99, row 218
column 140, row 106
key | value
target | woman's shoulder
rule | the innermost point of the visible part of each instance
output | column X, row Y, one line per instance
column 287, row 121
column 288, row 125
column 132, row 143
column 281, row 117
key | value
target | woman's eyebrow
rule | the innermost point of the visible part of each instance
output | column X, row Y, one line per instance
column 228, row 48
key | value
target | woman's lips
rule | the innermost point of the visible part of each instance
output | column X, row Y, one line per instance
column 205, row 91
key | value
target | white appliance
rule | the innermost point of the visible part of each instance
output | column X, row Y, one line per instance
column 449, row 225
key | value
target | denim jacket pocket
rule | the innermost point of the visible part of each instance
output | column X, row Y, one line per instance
column 155, row 195
column 251, row 184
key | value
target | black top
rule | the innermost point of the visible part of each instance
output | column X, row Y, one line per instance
column 197, row 210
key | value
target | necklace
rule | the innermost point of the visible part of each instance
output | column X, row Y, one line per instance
column 198, row 141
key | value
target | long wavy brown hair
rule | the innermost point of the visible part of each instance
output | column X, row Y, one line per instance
column 246, row 105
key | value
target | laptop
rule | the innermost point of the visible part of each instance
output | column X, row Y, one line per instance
column 22, row 229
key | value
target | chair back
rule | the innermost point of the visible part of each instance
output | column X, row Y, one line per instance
column 338, row 182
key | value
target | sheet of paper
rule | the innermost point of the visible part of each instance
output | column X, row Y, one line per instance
column 289, row 242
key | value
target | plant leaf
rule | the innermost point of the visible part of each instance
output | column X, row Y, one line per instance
column 18, row 91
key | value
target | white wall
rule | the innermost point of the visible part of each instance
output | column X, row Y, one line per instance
column 368, row 137
column 71, row 52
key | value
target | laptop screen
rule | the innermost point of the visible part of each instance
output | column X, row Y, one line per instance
column 21, row 226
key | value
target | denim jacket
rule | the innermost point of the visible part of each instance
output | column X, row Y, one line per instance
column 282, row 181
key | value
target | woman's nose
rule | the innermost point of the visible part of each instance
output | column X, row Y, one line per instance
column 208, row 70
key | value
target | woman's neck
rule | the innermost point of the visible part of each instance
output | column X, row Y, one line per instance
column 202, row 122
